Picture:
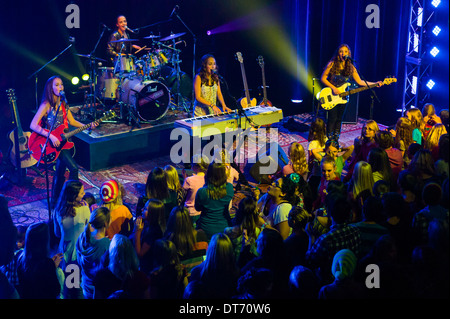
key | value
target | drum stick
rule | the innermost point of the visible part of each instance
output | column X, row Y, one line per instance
column 140, row 49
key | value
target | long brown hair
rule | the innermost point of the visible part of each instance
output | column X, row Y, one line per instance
column 317, row 131
column 348, row 67
column 48, row 96
column 66, row 203
column 216, row 180
column 202, row 71
column 403, row 132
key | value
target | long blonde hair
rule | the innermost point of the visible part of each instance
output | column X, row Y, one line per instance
column 362, row 178
column 433, row 137
column 297, row 156
column 173, row 179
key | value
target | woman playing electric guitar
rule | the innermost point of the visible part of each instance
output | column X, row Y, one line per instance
column 337, row 72
column 52, row 98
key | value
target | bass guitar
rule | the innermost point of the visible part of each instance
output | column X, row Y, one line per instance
column 37, row 141
column 328, row 100
column 265, row 101
column 20, row 154
column 245, row 102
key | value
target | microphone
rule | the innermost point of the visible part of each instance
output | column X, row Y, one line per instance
column 63, row 96
column 174, row 10
column 217, row 72
column 105, row 26
column 127, row 28
column 346, row 57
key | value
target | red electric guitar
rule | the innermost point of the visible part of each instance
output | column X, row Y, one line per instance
column 37, row 141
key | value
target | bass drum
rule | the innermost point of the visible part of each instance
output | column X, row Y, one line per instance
column 151, row 99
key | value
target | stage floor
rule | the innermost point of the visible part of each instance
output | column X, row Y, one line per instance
column 28, row 199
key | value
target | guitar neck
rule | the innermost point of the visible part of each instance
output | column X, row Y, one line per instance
column 244, row 79
column 363, row 88
column 264, row 84
column 80, row 129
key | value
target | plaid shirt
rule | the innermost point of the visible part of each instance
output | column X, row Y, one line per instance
column 341, row 236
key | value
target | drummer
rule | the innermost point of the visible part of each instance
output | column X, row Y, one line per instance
column 113, row 49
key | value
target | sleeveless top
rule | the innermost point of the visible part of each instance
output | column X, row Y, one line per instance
column 209, row 93
column 60, row 118
column 338, row 79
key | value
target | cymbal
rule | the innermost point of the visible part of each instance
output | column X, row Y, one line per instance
column 88, row 56
column 152, row 37
column 123, row 40
column 173, row 36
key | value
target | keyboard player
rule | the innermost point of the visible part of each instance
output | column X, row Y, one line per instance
column 207, row 89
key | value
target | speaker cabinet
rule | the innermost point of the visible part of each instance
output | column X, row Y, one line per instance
column 351, row 111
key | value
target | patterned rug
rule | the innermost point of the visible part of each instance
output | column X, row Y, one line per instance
column 28, row 202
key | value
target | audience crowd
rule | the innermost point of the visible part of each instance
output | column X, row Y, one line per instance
column 369, row 220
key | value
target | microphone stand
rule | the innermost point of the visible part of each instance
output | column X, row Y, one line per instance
column 372, row 96
column 44, row 156
column 35, row 74
column 93, row 76
column 195, row 43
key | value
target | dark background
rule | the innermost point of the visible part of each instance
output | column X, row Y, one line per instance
column 34, row 32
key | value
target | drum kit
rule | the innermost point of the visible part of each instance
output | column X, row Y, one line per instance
column 136, row 85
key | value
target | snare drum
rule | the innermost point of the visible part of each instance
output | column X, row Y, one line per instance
column 107, row 83
column 125, row 64
column 151, row 99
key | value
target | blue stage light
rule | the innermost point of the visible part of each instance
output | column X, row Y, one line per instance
column 434, row 51
column 436, row 30
column 430, row 84
column 435, row 3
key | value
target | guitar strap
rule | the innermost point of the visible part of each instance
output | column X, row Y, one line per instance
column 66, row 122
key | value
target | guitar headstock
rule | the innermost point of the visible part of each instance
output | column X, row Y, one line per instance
column 11, row 95
column 239, row 57
column 389, row 80
column 261, row 61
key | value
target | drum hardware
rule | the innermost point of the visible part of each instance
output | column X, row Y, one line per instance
column 131, row 118
column 172, row 36
column 180, row 100
column 152, row 37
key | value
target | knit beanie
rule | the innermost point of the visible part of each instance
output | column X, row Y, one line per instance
column 109, row 191
column 344, row 264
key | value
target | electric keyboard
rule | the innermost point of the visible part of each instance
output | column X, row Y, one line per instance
column 208, row 125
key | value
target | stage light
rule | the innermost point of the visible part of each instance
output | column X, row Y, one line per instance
column 85, row 77
column 75, row 80
column 414, row 85
column 434, row 51
column 435, row 3
column 430, row 84
column 208, row 32
column 436, row 30
column 419, row 16
column 296, row 101
column 416, row 42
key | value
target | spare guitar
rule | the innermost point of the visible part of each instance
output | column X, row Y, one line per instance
column 328, row 100
column 265, row 101
column 37, row 141
column 245, row 102
column 20, row 154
